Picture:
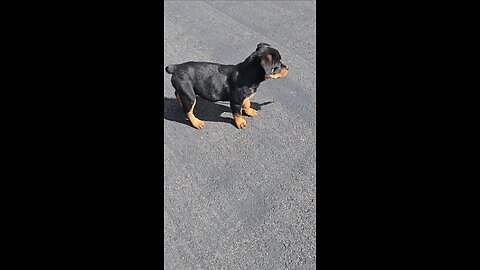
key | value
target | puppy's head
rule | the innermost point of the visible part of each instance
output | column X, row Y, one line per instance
column 271, row 62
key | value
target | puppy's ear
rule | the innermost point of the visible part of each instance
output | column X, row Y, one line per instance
column 262, row 45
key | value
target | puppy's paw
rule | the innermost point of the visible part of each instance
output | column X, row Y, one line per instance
column 198, row 124
column 240, row 122
column 250, row 112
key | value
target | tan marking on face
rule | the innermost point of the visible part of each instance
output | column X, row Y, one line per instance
column 282, row 74
column 268, row 60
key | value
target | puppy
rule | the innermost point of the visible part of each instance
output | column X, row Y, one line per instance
column 234, row 83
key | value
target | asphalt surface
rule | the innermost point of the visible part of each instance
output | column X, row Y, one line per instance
column 242, row 199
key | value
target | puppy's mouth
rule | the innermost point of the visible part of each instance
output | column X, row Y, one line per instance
column 283, row 72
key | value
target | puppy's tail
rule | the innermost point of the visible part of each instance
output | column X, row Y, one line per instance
column 170, row 69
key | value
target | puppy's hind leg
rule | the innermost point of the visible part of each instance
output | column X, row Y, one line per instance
column 178, row 98
column 187, row 99
column 197, row 123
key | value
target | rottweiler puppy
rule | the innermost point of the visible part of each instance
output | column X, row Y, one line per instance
column 234, row 83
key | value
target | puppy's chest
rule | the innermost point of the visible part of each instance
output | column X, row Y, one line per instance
column 248, row 90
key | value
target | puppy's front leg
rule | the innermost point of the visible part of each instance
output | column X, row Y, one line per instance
column 246, row 108
column 237, row 116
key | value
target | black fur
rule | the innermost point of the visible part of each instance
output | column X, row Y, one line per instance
column 217, row 82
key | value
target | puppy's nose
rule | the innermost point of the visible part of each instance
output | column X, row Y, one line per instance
column 285, row 66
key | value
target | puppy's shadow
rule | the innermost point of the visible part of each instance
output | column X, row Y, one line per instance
column 204, row 110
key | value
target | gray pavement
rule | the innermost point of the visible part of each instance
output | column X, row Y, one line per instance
column 242, row 199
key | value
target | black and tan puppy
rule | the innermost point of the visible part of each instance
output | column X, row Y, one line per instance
column 234, row 83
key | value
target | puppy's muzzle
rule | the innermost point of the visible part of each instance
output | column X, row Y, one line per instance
column 281, row 74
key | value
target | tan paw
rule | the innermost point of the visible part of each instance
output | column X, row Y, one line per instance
column 198, row 124
column 250, row 112
column 241, row 123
